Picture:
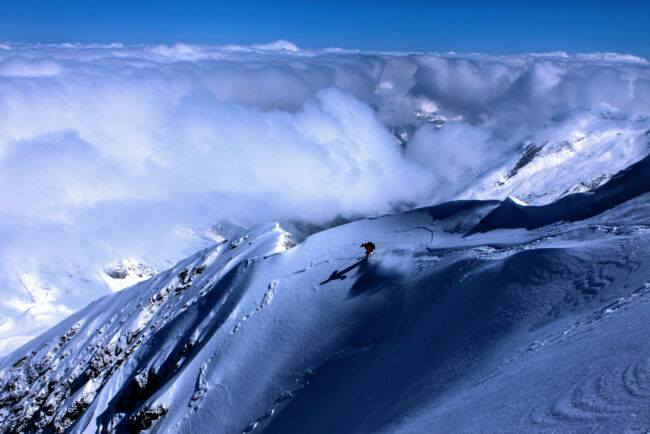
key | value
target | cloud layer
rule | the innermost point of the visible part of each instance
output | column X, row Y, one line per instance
column 121, row 151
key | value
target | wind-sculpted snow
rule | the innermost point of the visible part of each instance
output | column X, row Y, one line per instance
column 524, row 330
column 112, row 153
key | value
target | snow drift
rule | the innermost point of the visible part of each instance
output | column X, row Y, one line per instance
column 530, row 330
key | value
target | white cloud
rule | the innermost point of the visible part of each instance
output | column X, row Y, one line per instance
column 454, row 154
column 22, row 67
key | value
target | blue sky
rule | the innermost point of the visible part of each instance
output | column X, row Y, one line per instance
column 495, row 27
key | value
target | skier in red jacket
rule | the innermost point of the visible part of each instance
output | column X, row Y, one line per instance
column 370, row 247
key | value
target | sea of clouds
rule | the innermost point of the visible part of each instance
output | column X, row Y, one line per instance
column 110, row 151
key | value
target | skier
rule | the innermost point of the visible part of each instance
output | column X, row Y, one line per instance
column 370, row 247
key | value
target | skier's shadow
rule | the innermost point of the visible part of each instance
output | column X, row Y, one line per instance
column 372, row 278
column 341, row 275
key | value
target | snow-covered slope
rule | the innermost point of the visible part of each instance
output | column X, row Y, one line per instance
column 625, row 185
column 525, row 330
column 580, row 159
column 38, row 295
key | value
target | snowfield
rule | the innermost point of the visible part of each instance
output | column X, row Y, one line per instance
column 470, row 316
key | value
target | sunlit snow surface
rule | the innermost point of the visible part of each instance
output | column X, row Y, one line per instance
column 505, row 329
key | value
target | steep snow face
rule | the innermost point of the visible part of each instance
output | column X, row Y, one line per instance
column 105, row 343
column 580, row 160
column 625, row 185
column 550, row 324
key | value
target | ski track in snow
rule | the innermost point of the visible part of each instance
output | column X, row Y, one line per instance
column 601, row 395
column 201, row 387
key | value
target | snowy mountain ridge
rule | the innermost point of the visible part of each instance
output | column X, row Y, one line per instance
column 116, row 336
column 583, row 160
column 459, row 310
